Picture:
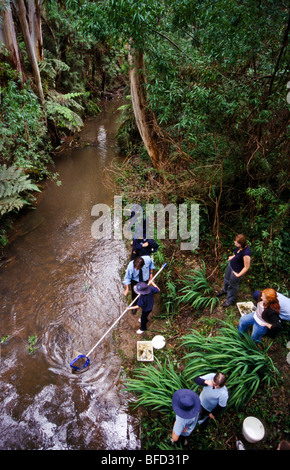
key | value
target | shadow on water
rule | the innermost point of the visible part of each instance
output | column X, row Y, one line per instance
column 65, row 288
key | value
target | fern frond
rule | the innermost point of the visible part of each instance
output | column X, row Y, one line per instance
column 13, row 183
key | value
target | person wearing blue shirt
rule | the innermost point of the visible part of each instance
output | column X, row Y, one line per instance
column 145, row 302
column 186, row 405
column 214, row 395
column 138, row 270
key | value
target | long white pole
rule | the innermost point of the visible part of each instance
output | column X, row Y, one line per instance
column 133, row 301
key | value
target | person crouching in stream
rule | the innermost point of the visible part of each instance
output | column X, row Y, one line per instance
column 145, row 302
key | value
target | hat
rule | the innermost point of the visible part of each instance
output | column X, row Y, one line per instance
column 142, row 288
column 186, row 403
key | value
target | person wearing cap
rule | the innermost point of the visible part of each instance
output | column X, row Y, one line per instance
column 214, row 395
column 145, row 302
column 186, row 405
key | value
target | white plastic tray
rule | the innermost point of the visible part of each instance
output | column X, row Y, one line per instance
column 245, row 307
column 145, row 351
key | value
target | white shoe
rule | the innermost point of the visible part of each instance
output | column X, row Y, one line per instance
column 240, row 445
column 139, row 332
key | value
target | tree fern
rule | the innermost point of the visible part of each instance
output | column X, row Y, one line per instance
column 13, row 185
column 60, row 107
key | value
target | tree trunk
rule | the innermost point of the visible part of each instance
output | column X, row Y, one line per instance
column 147, row 126
column 22, row 12
column 34, row 19
column 8, row 37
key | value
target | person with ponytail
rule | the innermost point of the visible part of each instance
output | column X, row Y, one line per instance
column 265, row 319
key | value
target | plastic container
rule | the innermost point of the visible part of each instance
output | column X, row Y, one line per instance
column 253, row 429
column 158, row 342
column 145, row 351
column 245, row 307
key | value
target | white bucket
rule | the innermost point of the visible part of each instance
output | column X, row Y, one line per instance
column 158, row 342
column 253, row 429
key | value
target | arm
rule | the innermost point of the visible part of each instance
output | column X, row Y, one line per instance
column 174, row 436
column 154, row 285
column 203, row 382
column 127, row 279
column 247, row 263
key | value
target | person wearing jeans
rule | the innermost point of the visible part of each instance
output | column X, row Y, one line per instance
column 239, row 264
column 265, row 319
column 258, row 330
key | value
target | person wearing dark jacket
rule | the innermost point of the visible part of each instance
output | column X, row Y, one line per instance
column 143, row 247
column 265, row 319
column 214, row 396
column 145, row 302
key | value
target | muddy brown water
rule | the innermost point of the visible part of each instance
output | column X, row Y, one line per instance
column 65, row 287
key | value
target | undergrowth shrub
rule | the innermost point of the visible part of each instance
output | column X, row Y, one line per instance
column 245, row 365
column 197, row 291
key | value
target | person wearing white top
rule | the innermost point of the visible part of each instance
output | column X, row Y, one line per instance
column 265, row 320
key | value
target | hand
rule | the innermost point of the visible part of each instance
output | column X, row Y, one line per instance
column 152, row 283
column 211, row 416
column 209, row 382
column 235, row 274
column 126, row 292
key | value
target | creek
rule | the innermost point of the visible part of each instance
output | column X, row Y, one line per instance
column 65, row 287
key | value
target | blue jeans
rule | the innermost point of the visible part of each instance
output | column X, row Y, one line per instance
column 258, row 331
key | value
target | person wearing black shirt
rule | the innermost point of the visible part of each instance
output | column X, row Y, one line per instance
column 143, row 247
column 145, row 302
column 239, row 264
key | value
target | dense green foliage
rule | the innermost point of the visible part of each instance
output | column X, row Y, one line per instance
column 13, row 185
column 197, row 290
column 24, row 142
column 246, row 367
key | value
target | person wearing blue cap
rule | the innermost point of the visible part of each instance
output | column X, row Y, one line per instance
column 186, row 405
column 145, row 302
